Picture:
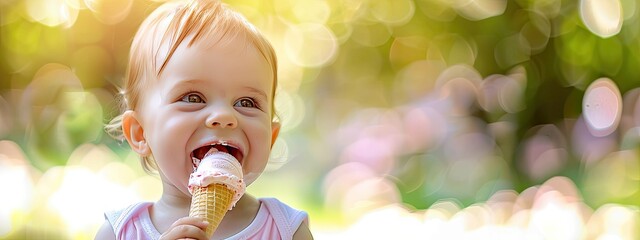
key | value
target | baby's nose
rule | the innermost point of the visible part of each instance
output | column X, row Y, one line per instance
column 224, row 118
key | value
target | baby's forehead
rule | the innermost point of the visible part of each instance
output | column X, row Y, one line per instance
column 214, row 43
column 175, row 29
column 209, row 54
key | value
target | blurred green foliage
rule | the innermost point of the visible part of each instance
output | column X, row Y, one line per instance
column 59, row 83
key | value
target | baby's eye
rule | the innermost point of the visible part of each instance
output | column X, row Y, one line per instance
column 245, row 102
column 192, row 98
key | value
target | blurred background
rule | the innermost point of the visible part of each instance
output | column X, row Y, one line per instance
column 402, row 119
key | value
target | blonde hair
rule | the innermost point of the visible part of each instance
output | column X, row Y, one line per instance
column 164, row 30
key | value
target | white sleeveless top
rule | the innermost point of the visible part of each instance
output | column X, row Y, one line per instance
column 275, row 220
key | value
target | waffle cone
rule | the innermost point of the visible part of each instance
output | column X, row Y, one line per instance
column 211, row 203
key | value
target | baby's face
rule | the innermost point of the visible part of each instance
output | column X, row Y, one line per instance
column 209, row 95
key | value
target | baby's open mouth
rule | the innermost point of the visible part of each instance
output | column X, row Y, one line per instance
column 200, row 152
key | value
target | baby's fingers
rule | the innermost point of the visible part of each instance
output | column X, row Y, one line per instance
column 186, row 228
column 184, row 232
column 194, row 221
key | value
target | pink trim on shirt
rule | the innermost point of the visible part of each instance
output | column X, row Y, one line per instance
column 275, row 220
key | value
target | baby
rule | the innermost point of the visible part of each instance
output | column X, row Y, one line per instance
column 200, row 75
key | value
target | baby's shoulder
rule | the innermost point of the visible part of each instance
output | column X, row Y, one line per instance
column 120, row 216
column 280, row 208
column 286, row 218
column 133, row 219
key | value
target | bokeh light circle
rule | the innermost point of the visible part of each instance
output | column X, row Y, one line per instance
column 310, row 45
column 279, row 155
column 371, row 35
column 290, row 108
column 76, row 4
column 312, row 11
column 15, row 181
column 393, row 12
column 51, row 12
column 602, row 107
column 110, row 11
column 536, row 32
column 550, row 8
column 602, row 17
column 476, row 10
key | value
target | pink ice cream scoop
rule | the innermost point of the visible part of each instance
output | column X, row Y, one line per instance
column 218, row 167
column 215, row 187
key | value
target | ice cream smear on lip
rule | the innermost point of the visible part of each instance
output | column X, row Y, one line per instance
column 218, row 167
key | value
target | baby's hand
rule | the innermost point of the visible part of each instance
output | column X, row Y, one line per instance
column 186, row 228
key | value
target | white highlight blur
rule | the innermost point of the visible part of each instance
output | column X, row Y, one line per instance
column 110, row 11
column 553, row 210
column 393, row 12
column 602, row 107
column 95, row 180
column 310, row 45
column 602, row 17
column 479, row 9
column 51, row 12
column 16, row 185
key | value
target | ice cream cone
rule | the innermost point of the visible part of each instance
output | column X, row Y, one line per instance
column 211, row 203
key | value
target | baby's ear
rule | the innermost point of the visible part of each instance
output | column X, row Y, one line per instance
column 134, row 133
column 275, row 130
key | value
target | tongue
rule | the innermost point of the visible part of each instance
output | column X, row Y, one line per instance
column 219, row 148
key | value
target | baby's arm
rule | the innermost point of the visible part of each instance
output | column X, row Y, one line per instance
column 303, row 232
column 105, row 232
